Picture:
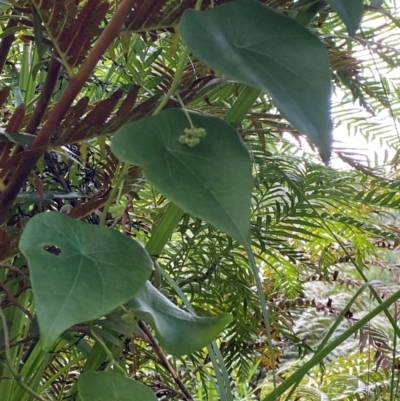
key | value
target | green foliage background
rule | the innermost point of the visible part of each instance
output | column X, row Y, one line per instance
column 298, row 302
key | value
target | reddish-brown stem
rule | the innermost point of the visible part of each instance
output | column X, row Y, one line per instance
column 45, row 96
column 76, row 83
column 15, row 301
column 15, row 270
column 163, row 359
column 40, row 109
column 6, row 42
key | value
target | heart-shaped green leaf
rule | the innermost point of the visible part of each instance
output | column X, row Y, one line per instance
column 211, row 180
column 350, row 11
column 260, row 47
column 107, row 386
column 178, row 332
column 79, row 272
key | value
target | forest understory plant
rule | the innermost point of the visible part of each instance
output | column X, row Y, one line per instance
column 159, row 232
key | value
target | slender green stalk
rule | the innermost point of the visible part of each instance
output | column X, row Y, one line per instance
column 30, row 88
column 19, row 379
column 186, row 112
column 222, row 387
column 110, row 356
column 244, row 102
column 178, row 74
column 225, row 375
column 220, row 370
column 264, row 310
column 163, row 230
column 19, row 328
column 24, row 71
column 123, row 170
column 95, row 358
column 34, row 367
column 175, row 83
column 393, row 377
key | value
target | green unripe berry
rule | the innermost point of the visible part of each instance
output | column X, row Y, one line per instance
column 119, row 209
column 196, row 132
column 192, row 136
column 191, row 142
column 182, row 139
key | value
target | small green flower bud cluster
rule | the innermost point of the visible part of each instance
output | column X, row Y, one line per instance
column 118, row 210
column 128, row 316
column 192, row 136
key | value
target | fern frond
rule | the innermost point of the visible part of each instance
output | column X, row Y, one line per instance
column 70, row 29
column 76, row 38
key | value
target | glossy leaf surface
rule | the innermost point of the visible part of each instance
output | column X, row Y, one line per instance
column 260, row 47
column 178, row 332
column 79, row 272
column 107, row 386
column 350, row 11
column 211, row 180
